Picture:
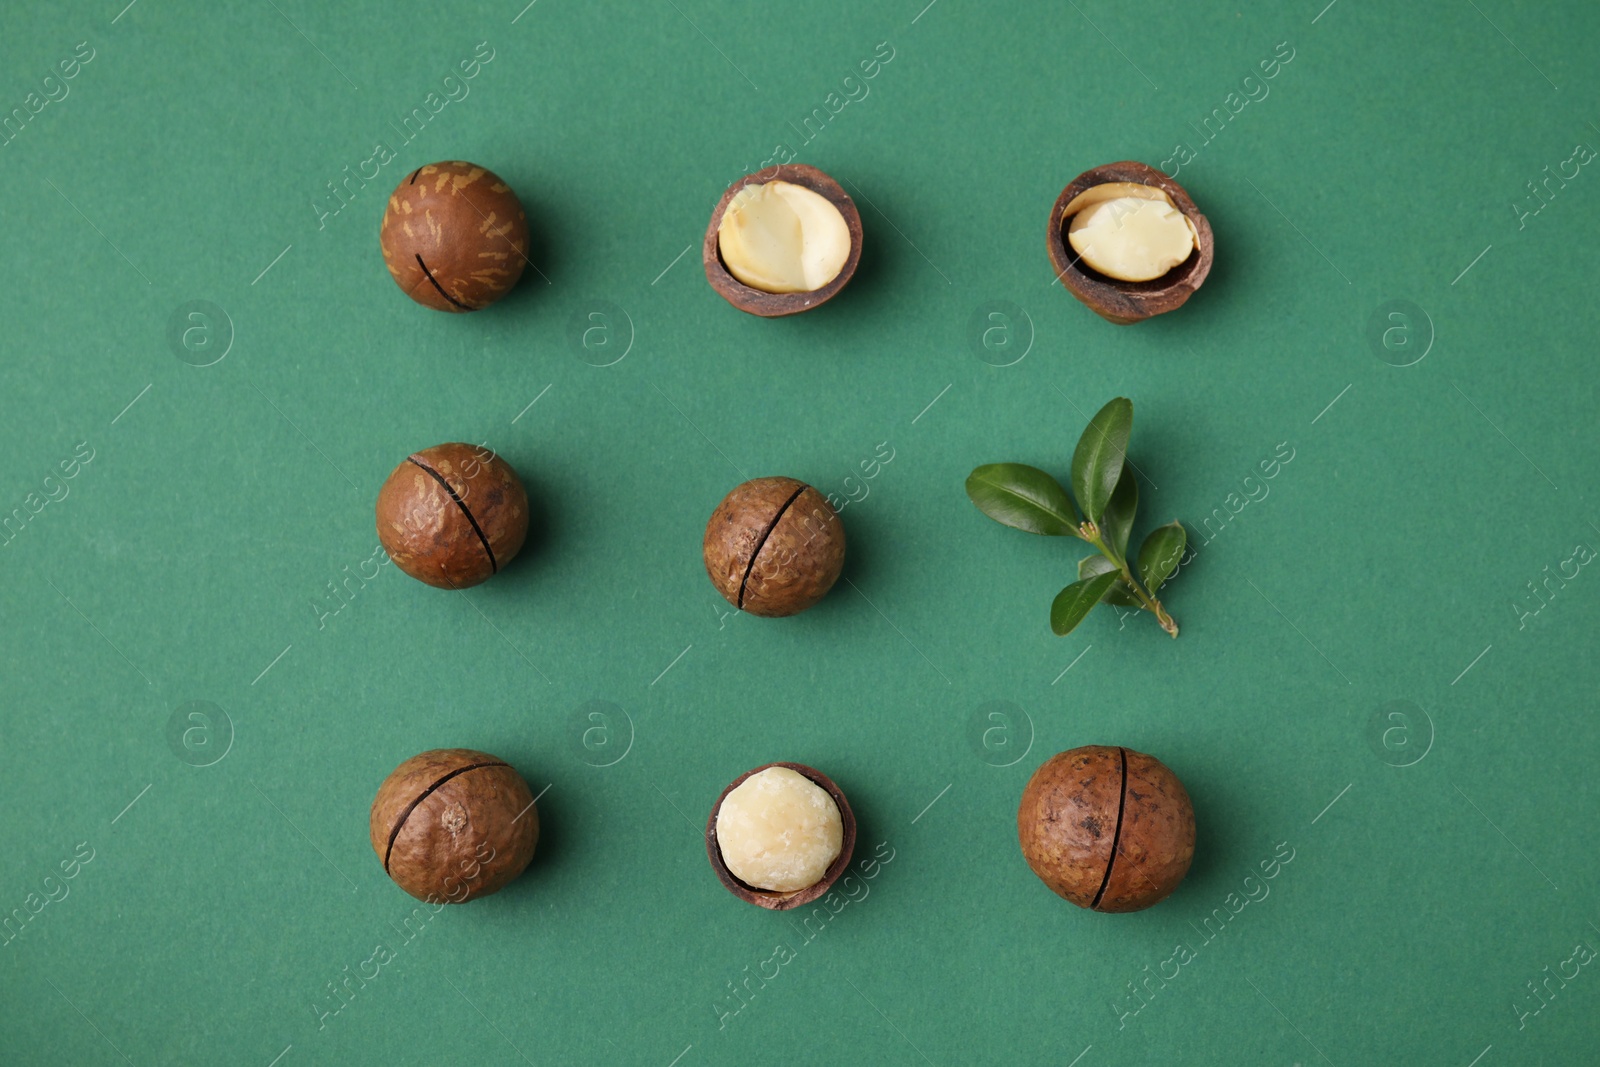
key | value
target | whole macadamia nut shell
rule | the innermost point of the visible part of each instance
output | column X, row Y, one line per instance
column 453, row 824
column 774, row 546
column 1107, row 828
column 452, row 515
column 454, row 236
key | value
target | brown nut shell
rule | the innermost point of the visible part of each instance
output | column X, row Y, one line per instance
column 775, row 305
column 1107, row 828
column 774, row 546
column 452, row 515
column 454, row 236
column 767, row 898
column 453, row 824
column 1119, row 301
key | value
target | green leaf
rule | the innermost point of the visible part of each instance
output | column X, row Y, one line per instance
column 1097, row 462
column 1160, row 553
column 1075, row 601
column 1027, row 498
column 1119, row 593
column 1118, row 522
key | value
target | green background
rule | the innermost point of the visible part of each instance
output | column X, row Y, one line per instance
column 1394, row 558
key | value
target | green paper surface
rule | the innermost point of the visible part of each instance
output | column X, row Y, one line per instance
column 1375, row 420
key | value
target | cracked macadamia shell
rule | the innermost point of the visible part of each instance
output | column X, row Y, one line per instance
column 774, row 546
column 779, row 899
column 1126, row 302
column 1107, row 828
column 778, row 304
column 452, row 515
column 454, row 237
column 453, row 824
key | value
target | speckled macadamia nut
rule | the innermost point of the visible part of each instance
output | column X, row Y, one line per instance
column 774, row 546
column 778, row 830
column 453, row 825
column 452, row 515
column 1107, row 828
column 454, row 237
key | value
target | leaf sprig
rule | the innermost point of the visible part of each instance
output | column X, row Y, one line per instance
column 1027, row 498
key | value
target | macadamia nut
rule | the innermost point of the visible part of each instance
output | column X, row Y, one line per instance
column 1107, row 828
column 783, row 238
column 779, row 831
column 774, row 547
column 1128, row 231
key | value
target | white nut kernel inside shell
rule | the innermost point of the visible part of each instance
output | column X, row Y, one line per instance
column 778, row 830
column 1128, row 231
column 783, row 238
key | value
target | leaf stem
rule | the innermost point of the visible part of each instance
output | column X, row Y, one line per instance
column 1091, row 533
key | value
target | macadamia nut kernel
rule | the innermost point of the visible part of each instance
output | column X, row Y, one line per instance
column 779, row 831
column 1128, row 231
column 783, row 238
